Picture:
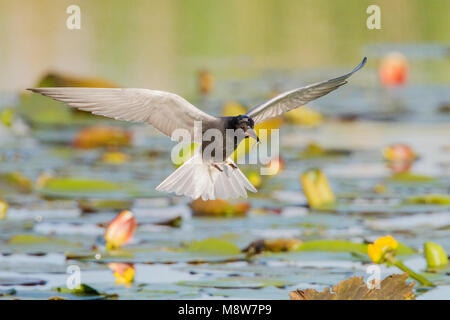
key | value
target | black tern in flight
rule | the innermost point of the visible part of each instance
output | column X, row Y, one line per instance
column 209, row 176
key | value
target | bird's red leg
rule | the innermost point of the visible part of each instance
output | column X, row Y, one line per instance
column 232, row 165
column 217, row 167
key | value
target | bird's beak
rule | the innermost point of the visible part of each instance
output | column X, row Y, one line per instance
column 252, row 133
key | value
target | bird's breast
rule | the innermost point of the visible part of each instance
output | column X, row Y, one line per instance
column 219, row 148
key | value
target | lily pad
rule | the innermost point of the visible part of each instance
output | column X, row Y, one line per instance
column 407, row 177
column 73, row 187
column 236, row 283
column 393, row 287
column 440, row 199
column 28, row 239
column 214, row 246
column 84, row 290
column 19, row 281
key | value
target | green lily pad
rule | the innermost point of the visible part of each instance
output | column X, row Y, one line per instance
column 236, row 283
column 214, row 246
column 333, row 246
column 16, row 181
column 407, row 177
column 439, row 199
column 84, row 290
column 345, row 246
column 100, row 256
column 29, row 239
column 79, row 184
column 96, row 205
column 73, row 187
column 42, row 111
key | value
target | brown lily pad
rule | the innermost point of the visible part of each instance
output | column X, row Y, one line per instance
column 275, row 245
column 393, row 287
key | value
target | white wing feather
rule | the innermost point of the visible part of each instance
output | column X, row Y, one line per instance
column 163, row 110
column 290, row 100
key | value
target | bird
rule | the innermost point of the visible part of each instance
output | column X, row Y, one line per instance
column 207, row 175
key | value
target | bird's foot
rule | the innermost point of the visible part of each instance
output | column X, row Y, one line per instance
column 232, row 165
column 217, row 167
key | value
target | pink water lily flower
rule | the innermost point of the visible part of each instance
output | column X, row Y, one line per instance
column 120, row 230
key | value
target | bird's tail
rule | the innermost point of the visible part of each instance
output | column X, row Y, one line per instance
column 196, row 179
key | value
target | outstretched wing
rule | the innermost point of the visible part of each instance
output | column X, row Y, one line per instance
column 163, row 110
column 290, row 100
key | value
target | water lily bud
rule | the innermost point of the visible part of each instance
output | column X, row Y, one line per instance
column 3, row 209
column 393, row 70
column 275, row 166
column 123, row 272
column 379, row 248
column 400, row 157
column 435, row 255
column 205, row 81
column 120, row 230
column 399, row 152
column 316, row 188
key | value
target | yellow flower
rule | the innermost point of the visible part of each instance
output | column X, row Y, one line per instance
column 123, row 272
column 120, row 230
column 3, row 209
column 6, row 117
column 316, row 188
column 377, row 250
column 114, row 157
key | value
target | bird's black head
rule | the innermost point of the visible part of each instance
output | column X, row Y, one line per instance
column 246, row 124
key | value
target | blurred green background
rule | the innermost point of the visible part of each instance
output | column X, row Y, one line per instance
column 162, row 44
